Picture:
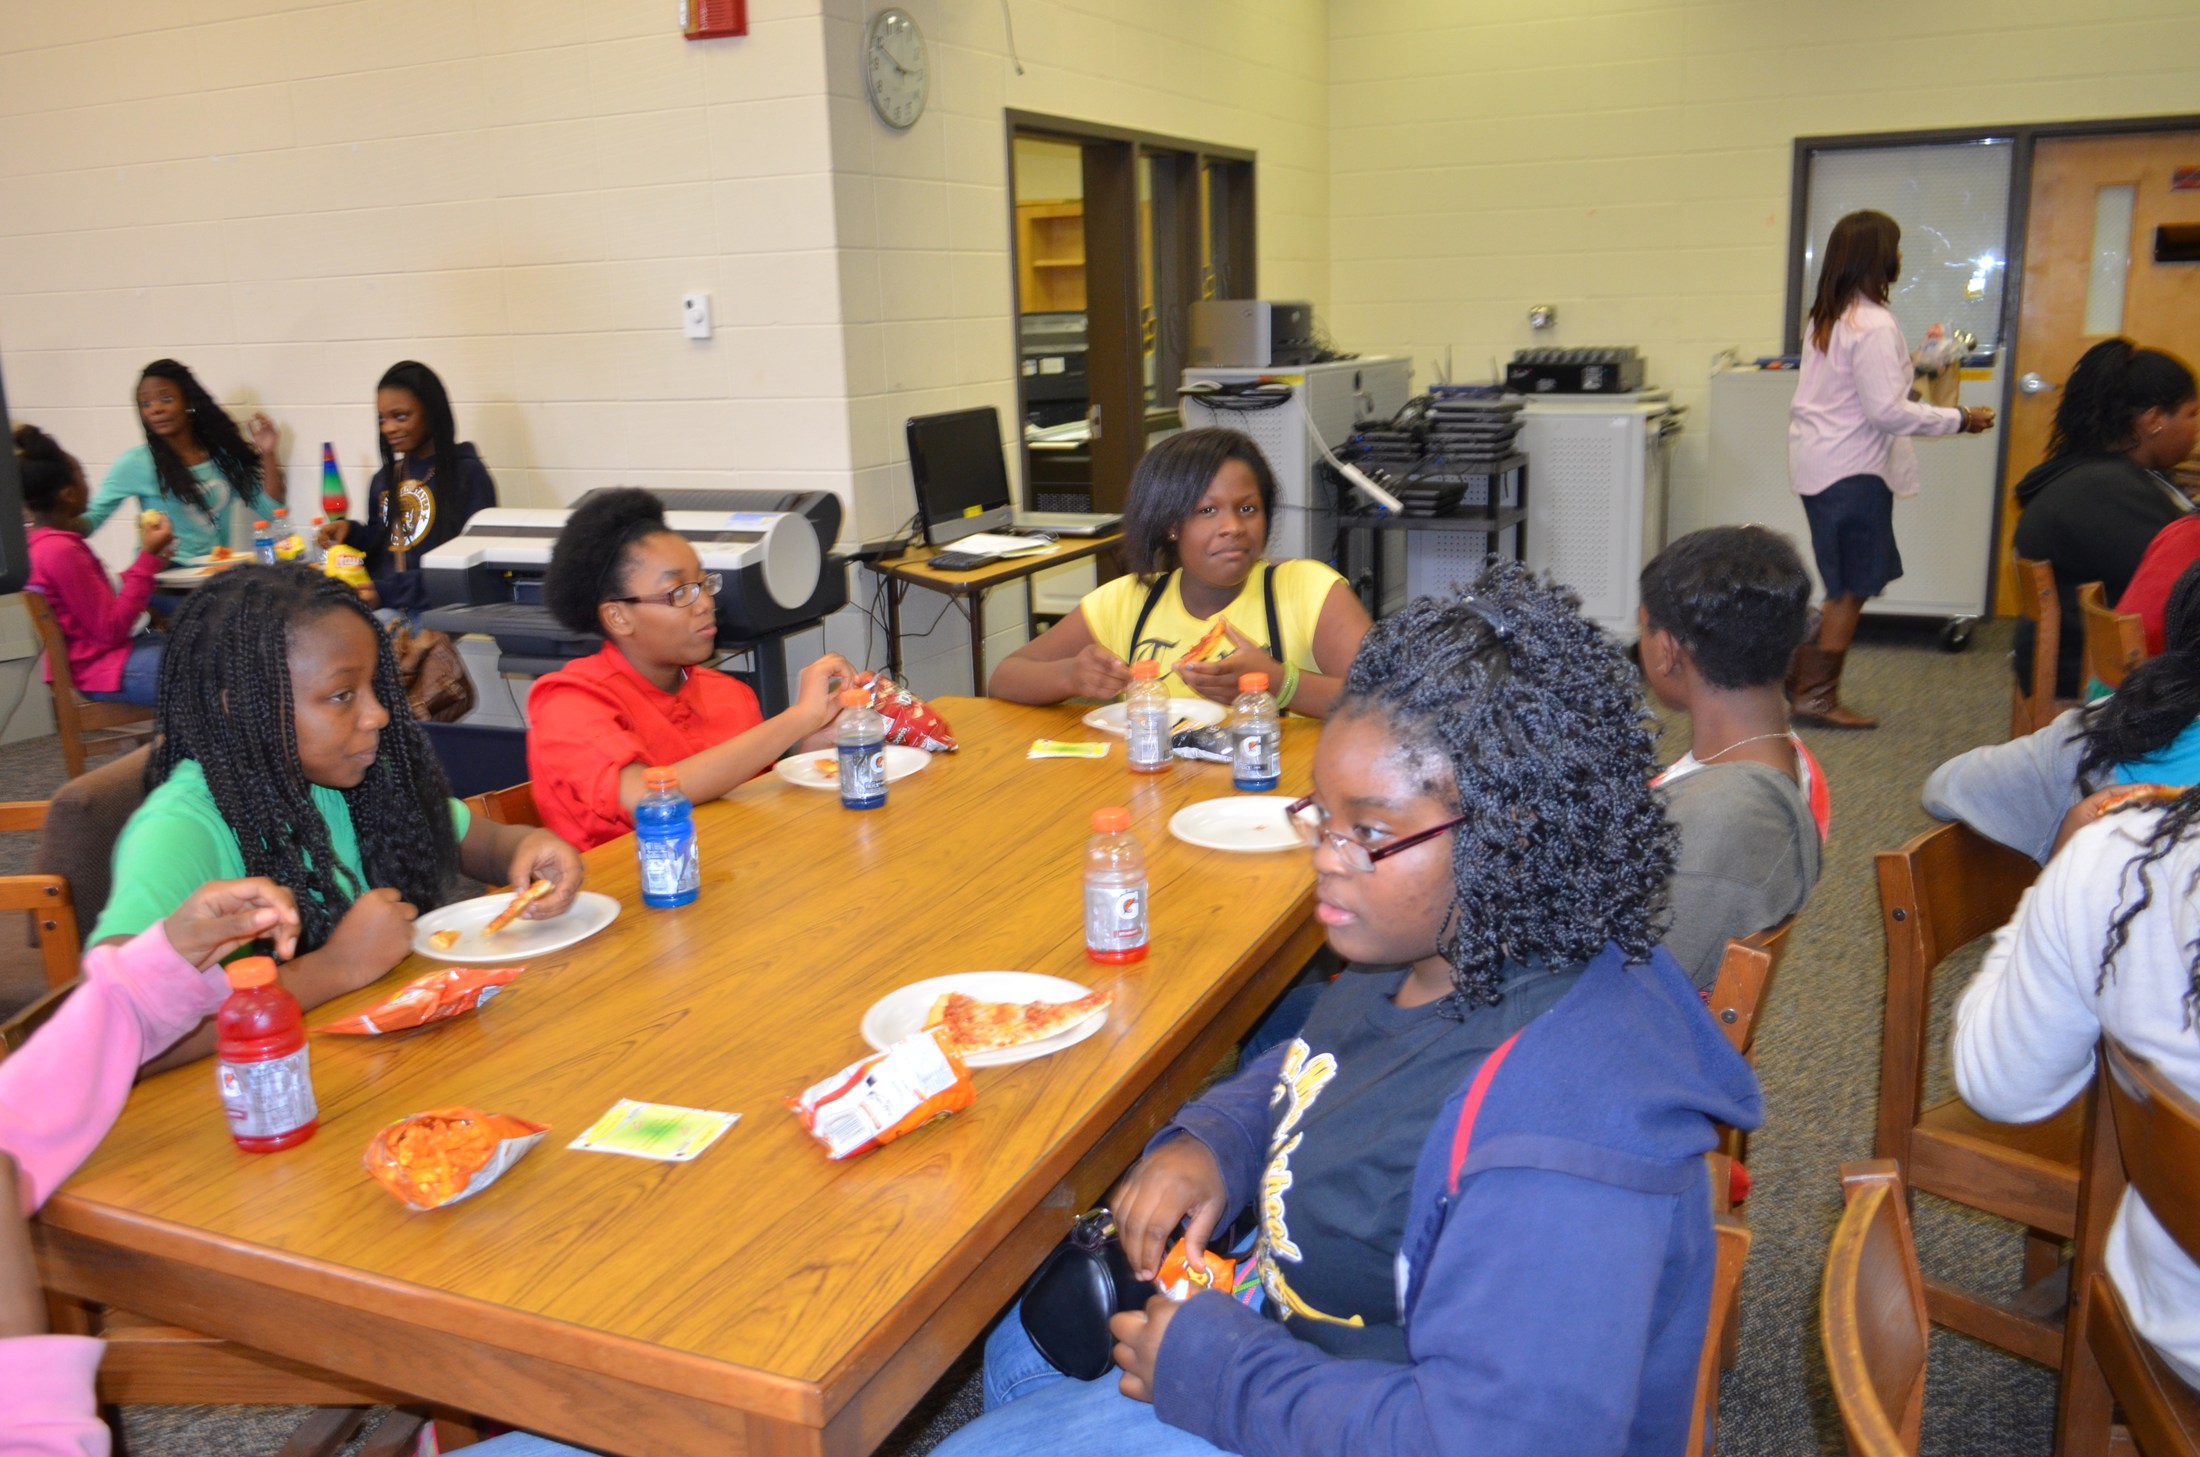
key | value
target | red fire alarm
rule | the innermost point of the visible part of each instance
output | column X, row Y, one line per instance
column 711, row 19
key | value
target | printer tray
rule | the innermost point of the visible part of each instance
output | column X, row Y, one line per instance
column 528, row 637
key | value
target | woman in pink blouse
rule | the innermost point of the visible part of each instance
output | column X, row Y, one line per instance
column 1848, row 451
column 105, row 659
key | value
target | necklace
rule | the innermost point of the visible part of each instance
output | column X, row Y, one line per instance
column 1730, row 748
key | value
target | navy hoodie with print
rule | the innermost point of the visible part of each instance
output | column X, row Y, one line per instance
column 1555, row 1301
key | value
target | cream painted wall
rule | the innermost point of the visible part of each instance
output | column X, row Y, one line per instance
column 1629, row 160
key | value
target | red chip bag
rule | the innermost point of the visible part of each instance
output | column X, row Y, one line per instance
column 909, row 719
column 431, row 998
column 433, row 1159
column 879, row 1098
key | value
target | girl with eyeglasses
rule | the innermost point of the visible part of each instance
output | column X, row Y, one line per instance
column 1484, row 1219
column 596, row 727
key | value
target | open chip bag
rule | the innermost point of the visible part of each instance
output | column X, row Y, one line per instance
column 877, row 1099
column 436, row 997
column 909, row 719
column 433, row 1159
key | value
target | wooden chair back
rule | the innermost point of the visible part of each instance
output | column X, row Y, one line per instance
column 44, row 897
column 1733, row 1236
column 2115, row 642
column 2032, row 701
column 513, row 806
column 1944, row 889
column 87, row 730
column 1744, row 980
column 1871, row 1317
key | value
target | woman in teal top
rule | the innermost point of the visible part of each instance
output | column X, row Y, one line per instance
column 194, row 462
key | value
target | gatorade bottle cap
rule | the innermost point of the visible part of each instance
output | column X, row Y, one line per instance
column 250, row 971
column 1145, row 668
column 659, row 776
column 1253, row 683
column 855, row 697
column 259, row 523
column 1112, row 820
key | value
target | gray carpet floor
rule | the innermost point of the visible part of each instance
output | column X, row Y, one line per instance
column 1817, row 1051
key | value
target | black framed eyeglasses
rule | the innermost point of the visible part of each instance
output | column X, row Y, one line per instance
column 1311, row 822
column 683, row 595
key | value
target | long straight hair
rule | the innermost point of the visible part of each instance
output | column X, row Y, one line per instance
column 216, row 433
column 1863, row 257
column 422, row 383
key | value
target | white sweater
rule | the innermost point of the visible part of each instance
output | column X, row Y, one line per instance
column 2027, row 1025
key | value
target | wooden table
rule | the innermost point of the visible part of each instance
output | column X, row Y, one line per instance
column 967, row 589
column 762, row 1299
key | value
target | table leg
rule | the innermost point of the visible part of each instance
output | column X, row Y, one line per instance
column 770, row 656
column 977, row 643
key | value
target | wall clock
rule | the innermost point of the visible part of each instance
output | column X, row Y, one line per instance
column 896, row 71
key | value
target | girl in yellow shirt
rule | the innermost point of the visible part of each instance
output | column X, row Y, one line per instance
column 1194, row 531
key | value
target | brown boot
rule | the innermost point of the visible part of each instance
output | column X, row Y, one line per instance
column 1814, row 690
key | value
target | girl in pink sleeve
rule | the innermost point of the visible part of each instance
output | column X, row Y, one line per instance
column 105, row 659
column 60, row 1094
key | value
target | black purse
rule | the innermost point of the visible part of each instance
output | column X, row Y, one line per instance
column 1082, row 1283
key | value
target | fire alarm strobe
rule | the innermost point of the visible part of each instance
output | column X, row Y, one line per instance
column 713, row 19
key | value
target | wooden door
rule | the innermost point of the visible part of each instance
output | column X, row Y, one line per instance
column 2161, row 302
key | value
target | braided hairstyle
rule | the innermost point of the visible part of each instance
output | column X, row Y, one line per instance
column 225, row 701
column 47, row 470
column 422, row 383
column 2157, row 701
column 588, row 563
column 1508, row 699
column 2175, row 824
column 216, row 433
column 2114, row 383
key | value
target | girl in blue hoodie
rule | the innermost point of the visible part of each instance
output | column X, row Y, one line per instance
column 1531, row 1275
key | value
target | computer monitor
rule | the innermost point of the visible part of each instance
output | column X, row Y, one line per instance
column 15, row 563
column 960, row 473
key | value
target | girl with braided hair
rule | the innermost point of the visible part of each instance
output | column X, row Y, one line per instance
column 1489, row 856
column 194, row 463
column 285, row 749
column 2094, row 506
column 2107, row 940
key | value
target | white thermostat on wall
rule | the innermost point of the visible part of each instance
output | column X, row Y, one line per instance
column 896, row 71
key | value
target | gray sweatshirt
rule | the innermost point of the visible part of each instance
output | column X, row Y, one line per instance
column 1749, row 856
column 2015, row 793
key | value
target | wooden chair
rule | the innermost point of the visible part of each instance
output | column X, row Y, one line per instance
column 1871, row 1315
column 88, row 730
column 513, row 806
column 1737, row 996
column 1733, row 1237
column 2032, row 701
column 2115, row 642
column 45, row 897
column 1942, row 890
column 2146, row 1130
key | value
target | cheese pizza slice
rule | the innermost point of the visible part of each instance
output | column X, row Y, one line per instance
column 1216, row 636
column 975, row 1026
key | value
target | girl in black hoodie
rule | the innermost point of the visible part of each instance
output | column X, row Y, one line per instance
column 2126, row 417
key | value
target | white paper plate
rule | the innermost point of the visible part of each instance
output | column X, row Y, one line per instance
column 1197, row 712
column 1251, row 825
column 900, row 1013
column 820, row 769
column 589, row 913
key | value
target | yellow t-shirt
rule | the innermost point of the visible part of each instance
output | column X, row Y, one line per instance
column 1302, row 586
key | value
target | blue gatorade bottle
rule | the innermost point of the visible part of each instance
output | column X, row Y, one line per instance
column 263, row 543
column 862, row 744
column 664, row 836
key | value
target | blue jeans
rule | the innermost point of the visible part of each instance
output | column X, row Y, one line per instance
column 525, row 1444
column 140, row 675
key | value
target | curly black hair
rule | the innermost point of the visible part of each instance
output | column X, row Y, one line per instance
column 2157, row 701
column 1510, row 701
column 225, row 701
column 1166, row 487
column 588, row 564
column 2176, row 823
column 223, row 442
column 2113, row 384
column 1737, row 600
column 46, row 469
column 424, row 385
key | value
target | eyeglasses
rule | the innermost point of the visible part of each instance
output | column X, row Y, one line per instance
column 1311, row 822
column 683, row 595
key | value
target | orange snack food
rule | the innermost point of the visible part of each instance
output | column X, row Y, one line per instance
column 433, row 1159
column 432, row 998
column 443, row 940
column 1216, row 636
column 877, row 1099
column 518, row 903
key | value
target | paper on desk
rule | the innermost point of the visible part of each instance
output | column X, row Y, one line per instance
column 987, row 544
column 655, row 1131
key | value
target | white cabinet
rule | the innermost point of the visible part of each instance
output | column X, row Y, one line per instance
column 1596, row 496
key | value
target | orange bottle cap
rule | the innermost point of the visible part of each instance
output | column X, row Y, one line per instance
column 1253, row 683
column 1145, row 668
column 259, row 523
column 658, row 776
column 250, row 971
column 1112, row 820
column 855, row 697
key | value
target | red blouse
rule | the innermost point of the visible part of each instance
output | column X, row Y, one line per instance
column 589, row 721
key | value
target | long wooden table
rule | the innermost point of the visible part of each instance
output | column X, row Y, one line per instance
column 762, row 1299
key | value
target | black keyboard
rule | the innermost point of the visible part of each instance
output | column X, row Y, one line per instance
column 956, row 561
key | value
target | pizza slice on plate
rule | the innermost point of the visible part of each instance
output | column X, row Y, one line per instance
column 975, row 1026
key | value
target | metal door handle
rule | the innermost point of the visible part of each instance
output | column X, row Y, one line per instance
column 1092, row 419
column 2032, row 384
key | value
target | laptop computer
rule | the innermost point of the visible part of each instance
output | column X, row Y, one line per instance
column 961, row 477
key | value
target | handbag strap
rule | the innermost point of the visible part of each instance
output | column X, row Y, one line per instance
column 1268, row 601
column 1462, row 1137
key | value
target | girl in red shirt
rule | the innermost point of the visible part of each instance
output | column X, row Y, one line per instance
column 646, row 699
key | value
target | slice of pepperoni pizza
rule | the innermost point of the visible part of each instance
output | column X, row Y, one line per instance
column 975, row 1026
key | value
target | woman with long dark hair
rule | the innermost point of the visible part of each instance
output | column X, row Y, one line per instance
column 2094, row 506
column 193, row 464
column 1849, row 453
column 430, row 485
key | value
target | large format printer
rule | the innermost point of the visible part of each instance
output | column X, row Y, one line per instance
column 774, row 549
